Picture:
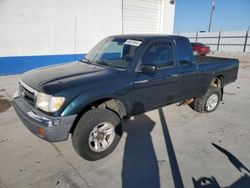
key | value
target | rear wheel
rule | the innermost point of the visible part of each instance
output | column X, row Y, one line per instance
column 97, row 134
column 209, row 102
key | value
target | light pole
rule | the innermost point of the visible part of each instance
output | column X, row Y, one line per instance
column 211, row 15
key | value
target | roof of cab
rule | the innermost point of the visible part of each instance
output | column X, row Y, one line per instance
column 146, row 37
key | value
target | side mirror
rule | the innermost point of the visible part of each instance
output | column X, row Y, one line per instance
column 148, row 69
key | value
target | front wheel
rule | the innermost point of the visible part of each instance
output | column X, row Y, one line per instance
column 97, row 134
column 209, row 102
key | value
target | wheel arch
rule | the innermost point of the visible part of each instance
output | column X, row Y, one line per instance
column 111, row 103
column 218, row 82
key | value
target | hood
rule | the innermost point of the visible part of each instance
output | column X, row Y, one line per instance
column 55, row 79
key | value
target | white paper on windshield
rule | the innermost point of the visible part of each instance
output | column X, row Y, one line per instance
column 133, row 42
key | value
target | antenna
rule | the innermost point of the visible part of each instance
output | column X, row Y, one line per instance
column 75, row 42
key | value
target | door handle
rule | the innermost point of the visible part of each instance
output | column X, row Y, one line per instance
column 174, row 76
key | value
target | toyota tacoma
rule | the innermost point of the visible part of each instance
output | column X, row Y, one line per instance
column 120, row 77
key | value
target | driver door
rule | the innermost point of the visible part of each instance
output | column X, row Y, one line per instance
column 155, row 89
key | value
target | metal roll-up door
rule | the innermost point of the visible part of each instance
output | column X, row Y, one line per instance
column 141, row 16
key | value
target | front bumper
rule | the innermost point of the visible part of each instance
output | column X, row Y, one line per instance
column 52, row 129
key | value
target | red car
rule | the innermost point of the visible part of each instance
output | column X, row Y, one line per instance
column 200, row 49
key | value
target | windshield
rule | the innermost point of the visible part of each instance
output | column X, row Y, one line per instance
column 113, row 52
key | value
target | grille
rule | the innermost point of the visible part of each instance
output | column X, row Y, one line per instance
column 27, row 95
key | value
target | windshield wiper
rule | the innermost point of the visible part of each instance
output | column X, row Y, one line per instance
column 85, row 60
column 101, row 62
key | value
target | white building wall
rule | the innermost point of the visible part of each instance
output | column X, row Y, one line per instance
column 46, row 27
column 167, row 17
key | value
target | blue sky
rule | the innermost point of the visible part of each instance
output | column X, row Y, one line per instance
column 193, row 15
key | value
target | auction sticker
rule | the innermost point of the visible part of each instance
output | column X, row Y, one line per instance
column 133, row 42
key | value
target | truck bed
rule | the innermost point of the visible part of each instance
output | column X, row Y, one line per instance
column 210, row 67
column 210, row 59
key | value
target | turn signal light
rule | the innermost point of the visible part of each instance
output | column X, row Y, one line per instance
column 41, row 132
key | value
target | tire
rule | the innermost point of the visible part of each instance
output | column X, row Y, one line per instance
column 88, row 131
column 201, row 104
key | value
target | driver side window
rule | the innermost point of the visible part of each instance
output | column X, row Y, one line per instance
column 160, row 54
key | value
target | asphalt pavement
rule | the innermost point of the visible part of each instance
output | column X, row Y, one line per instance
column 168, row 147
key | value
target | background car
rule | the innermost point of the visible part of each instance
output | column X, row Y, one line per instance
column 200, row 49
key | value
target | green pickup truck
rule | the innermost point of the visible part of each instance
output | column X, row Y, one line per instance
column 120, row 77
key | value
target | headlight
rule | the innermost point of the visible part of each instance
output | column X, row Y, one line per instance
column 49, row 103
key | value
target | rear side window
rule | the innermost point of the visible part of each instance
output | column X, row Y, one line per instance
column 160, row 54
column 184, row 51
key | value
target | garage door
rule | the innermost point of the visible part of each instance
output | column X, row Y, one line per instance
column 141, row 16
